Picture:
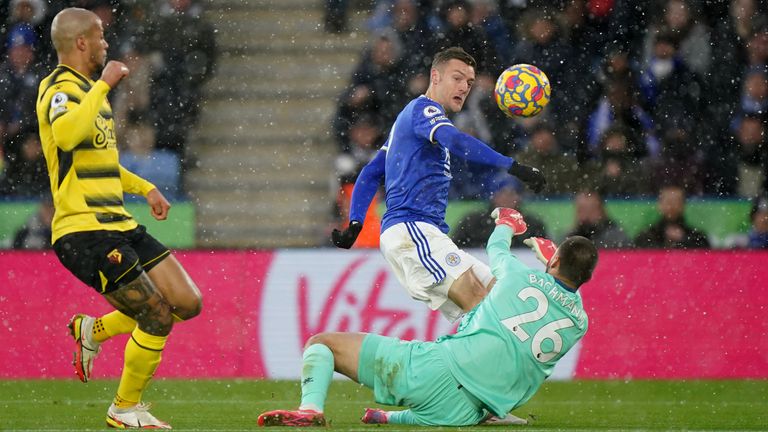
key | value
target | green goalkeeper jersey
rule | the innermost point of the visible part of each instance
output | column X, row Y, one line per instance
column 507, row 345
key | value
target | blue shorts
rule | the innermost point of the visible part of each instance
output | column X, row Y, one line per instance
column 414, row 374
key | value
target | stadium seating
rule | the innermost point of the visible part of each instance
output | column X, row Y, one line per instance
column 265, row 160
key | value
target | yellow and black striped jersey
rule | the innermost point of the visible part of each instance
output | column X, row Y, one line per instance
column 77, row 131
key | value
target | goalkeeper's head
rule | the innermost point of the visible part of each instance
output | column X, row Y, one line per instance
column 574, row 261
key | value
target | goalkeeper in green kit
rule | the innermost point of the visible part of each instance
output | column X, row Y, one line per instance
column 501, row 353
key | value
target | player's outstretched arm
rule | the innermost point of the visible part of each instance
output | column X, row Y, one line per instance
column 472, row 149
column 362, row 194
column 509, row 222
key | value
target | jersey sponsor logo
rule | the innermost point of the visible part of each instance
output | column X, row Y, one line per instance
column 115, row 257
column 453, row 259
column 431, row 111
column 105, row 133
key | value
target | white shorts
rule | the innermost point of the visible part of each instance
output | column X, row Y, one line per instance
column 427, row 262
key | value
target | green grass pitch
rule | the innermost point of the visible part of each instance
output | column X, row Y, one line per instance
column 233, row 405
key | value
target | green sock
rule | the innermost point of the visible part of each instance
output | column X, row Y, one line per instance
column 316, row 375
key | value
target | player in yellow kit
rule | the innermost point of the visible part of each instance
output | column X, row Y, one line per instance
column 93, row 235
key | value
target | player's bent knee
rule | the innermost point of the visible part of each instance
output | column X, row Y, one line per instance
column 190, row 309
column 320, row 338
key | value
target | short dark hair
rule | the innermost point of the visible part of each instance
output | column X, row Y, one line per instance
column 578, row 259
column 452, row 53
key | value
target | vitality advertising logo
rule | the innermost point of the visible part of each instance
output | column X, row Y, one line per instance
column 309, row 292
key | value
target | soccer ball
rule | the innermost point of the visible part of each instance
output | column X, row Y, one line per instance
column 522, row 91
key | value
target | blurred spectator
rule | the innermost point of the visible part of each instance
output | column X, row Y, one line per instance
column 758, row 215
column 757, row 236
column 36, row 232
column 729, row 38
column 474, row 229
column 752, row 149
column 372, row 89
column 459, row 31
column 671, row 231
column 542, row 46
column 365, row 138
column 757, row 48
column 383, row 15
column 594, row 30
column 690, row 36
column 109, row 12
column 185, row 49
column 754, row 94
column 617, row 172
column 485, row 15
column 131, row 99
column 670, row 90
column 27, row 173
column 618, row 106
column 681, row 163
column 560, row 169
column 27, row 13
column 161, row 167
column 593, row 222
column 413, row 35
column 18, row 82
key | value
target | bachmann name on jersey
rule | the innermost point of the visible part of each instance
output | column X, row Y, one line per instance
column 77, row 131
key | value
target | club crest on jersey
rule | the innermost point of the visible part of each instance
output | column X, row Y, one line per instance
column 115, row 257
column 431, row 111
column 58, row 103
column 453, row 259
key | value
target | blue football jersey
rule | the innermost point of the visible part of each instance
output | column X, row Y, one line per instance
column 417, row 168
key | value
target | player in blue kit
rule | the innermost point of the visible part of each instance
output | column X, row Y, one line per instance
column 415, row 164
column 503, row 350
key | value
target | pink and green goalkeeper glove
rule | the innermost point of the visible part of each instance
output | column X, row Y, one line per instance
column 543, row 248
column 510, row 217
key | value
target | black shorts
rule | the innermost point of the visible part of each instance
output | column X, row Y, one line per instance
column 107, row 260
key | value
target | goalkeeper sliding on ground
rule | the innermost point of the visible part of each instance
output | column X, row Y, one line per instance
column 503, row 350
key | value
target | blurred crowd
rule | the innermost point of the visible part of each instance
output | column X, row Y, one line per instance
column 170, row 50
column 658, row 98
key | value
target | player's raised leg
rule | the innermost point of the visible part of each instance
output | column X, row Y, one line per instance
column 171, row 280
column 141, row 300
column 468, row 290
column 177, row 287
column 323, row 354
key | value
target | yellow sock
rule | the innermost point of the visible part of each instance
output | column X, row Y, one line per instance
column 142, row 356
column 113, row 323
